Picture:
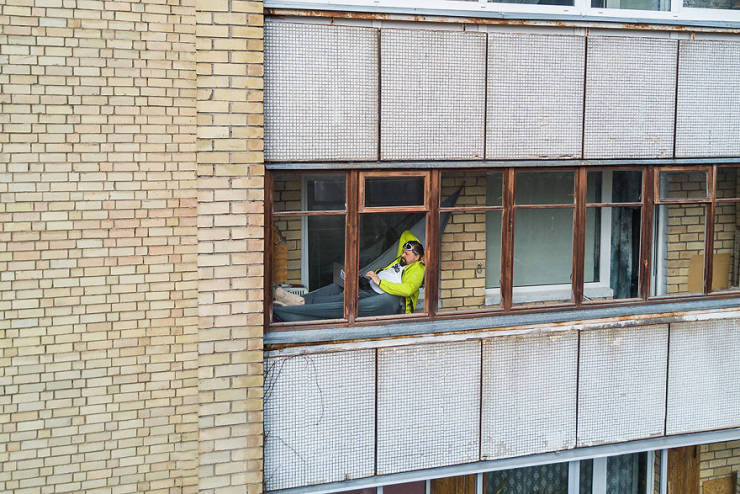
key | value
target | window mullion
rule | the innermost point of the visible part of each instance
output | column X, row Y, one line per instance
column 709, row 233
column 507, row 240
column 646, row 240
column 269, row 245
column 352, row 247
column 579, row 235
column 433, row 241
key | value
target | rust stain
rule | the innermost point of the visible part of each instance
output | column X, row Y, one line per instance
column 590, row 22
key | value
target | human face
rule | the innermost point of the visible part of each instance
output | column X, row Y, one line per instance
column 409, row 257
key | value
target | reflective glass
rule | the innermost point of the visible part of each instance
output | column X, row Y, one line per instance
column 308, row 192
column 307, row 252
column 472, row 188
column 632, row 4
column 544, row 187
column 728, row 182
column 537, row 2
column 676, row 185
column 612, row 255
column 726, row 264
column 678, row 249
column 543, row 255
column 394, row 191
column 626, row 474
column 712, row 4
column 604, row 186
column 469, row 260
column 400, row 272
column 541, row 479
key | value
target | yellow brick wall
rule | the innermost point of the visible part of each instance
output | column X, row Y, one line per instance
column 231, row 244
column 719, row 460
column 287, row 197
column 98, row 275
column 462, row 261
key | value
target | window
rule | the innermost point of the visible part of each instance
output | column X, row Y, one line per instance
column 496, row 240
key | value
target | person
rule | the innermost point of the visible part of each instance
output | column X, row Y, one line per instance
column 392, row 290
column 404, row 275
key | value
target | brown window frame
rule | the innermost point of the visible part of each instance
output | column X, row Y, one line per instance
column 355, row 207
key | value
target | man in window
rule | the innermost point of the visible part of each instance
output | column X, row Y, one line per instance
column 392, row 290
column 404, row 275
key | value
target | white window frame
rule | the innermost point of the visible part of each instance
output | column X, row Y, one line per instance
column 563, row 291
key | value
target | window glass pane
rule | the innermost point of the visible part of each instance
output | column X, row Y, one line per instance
column 400, row 271
column 586, row 477
column 544, row 187
column 678, row 249
column 308, row 252
column 394, row 191
column 728, row 182
column 543, row 255
column 632, row 4
column 542, row 479
column 537, row 2
column 408, row 488
column 470, row 260
column 370, row 490
column 712, row 4
column 308, row 192
column 472, row 189
column 614, row 186
column 612, row 255
column 626, row 474
column 683, row 185
column 726, row 264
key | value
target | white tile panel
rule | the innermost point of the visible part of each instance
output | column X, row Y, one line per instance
column 704, row 376
column 535, row 96
column 432, row 94
column 529, row 394
column 622, row 384
column 630, row 97
column 319, row 418
column 321, row 92
column 708, row 112
column 428, row 406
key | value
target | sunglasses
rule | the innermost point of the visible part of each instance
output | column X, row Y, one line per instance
column 412, row 247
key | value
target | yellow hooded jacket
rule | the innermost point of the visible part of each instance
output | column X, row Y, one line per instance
column 411, row 278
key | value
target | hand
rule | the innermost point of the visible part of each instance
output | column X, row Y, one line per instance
column 373, row 276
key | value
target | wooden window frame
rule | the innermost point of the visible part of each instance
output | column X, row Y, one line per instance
column 355, row 207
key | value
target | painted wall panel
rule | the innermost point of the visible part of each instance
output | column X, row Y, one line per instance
column 630, row 97
column 622, row 384
column 319, row 418
column 432, row 94
column 535, row 96
column 321, row 92
column 708, row 112
column 428, row 406
column 529, row 394
column 704, row 376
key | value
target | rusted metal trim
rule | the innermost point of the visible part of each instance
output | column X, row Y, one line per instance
column 489, row 17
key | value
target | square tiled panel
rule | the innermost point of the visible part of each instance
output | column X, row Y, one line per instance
column 529, row 394
column 321, row 92
column 630, row 97
column 535, row 96
column 319, row 418
column 432, row 94
column 708, row 113
column 428, row 406
column 622, row 383
column 704, row 376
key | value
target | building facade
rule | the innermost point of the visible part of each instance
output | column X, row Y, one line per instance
column 572, row 170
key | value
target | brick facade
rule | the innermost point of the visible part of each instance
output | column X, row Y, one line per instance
column 719, row 460
column 98, row 275
column 131, row 260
